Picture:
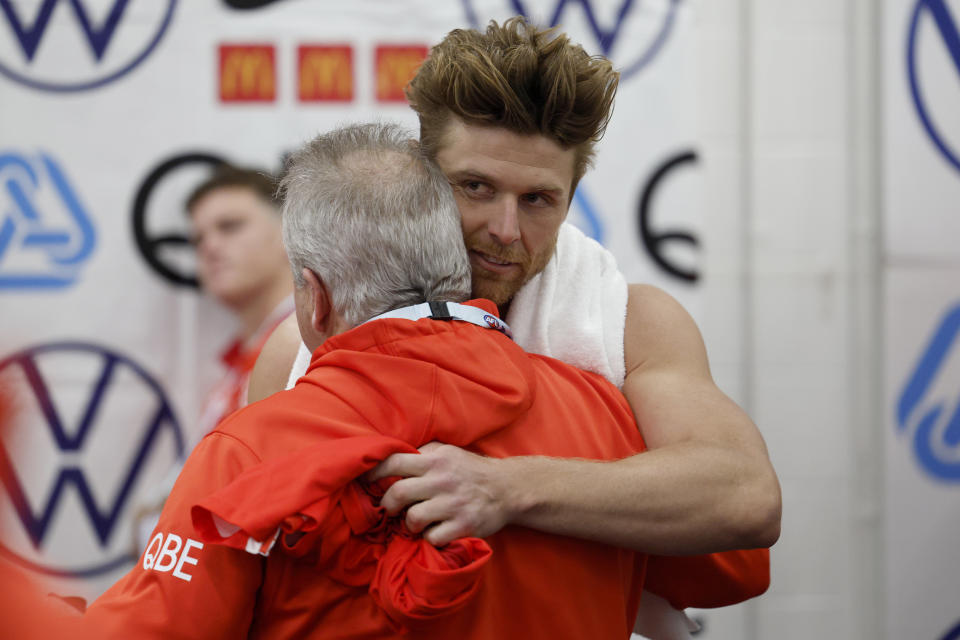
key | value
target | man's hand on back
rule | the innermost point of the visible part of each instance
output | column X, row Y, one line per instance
column 449, row 493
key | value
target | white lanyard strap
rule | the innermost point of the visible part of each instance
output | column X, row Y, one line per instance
column 449, row 311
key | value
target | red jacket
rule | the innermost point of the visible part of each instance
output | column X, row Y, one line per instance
column 311, row 505
column 415, row 381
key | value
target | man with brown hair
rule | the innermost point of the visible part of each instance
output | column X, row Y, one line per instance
column 511, row 117
column 235, row 227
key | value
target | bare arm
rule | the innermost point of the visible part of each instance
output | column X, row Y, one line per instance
column 275, row 361
column 705, row 485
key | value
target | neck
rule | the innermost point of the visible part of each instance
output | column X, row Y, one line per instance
column 253, row 314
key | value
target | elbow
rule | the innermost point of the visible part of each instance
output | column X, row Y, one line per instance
column 767, row 530
column 760, row 515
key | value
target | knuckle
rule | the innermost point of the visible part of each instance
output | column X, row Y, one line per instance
column 387, row 467
column 396, row 493
column 465, row 531
column 382, row 470
column 438, row 538
column 394, row 497
column 446, row 482
column 458, row 530
column 471, row 521
column 388, row 503
column 415, row 520
column 444, row 454
column 435, row 460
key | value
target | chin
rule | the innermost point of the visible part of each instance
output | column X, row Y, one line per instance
column 232, row 297
column 500, row 293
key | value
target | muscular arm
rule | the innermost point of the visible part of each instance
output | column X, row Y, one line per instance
column 705, row 485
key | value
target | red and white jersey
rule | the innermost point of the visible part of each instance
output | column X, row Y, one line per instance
column 230, row 392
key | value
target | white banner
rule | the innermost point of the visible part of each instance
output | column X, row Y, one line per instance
column 923, row 452
column 922, row 129
column 922, row 317
column 111, row 111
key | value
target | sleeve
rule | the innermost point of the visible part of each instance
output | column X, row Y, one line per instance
column 180, row 587
column 709, row 581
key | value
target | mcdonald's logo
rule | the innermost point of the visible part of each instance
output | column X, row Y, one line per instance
column 247, row 73
column 325, row 73
column 395, row 67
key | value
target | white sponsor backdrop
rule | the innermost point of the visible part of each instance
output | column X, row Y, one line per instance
column 922, row 113
column 923, row 459
column 108, row 356
column 922, row 317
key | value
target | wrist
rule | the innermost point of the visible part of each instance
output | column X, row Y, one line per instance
column 518, row 488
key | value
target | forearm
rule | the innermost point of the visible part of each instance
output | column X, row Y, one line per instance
column 680, row 499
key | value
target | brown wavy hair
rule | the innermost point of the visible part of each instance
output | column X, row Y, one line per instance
column 227, row 176
column 519, row 77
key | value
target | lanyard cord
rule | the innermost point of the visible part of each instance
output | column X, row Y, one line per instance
column 449, row 311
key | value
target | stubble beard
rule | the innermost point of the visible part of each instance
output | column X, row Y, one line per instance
column 501, row 291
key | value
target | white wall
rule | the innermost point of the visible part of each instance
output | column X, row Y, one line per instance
column 787, row 115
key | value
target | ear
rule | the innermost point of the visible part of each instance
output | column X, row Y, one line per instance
column 321, row 313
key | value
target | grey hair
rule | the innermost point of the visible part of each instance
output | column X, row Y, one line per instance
column 375, row 220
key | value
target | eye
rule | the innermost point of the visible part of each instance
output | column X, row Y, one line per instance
column 476, row 188
column 536, row 199
column 230, row 226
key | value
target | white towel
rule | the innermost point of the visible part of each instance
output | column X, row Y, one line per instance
column 575, row 309
column 300, row 365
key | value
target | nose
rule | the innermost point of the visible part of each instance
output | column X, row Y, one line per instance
column 208, row 247
column 204, row 247
column 504, row 226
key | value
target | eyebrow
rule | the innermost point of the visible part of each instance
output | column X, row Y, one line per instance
column 468, row 174
column 472, row 174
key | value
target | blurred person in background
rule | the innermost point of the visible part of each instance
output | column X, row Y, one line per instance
column 235, row 227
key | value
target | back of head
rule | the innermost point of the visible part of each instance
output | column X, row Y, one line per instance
column 516, row 76
column 375, row 220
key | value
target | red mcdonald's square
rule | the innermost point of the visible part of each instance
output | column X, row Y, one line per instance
column 395, row 66
column 325, row 73
column 248, row 73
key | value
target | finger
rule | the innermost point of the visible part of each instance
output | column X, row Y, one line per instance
column 423, row 514
column 433, row 445
column 445, row 533
column 399, row 464
column 406, row 492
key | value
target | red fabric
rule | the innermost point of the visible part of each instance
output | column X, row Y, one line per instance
column 298, row 491
column 417, row 382
column 28, row 614
column 416, row 581
column 314, row 490
column 715, row 580
column 230, row 392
